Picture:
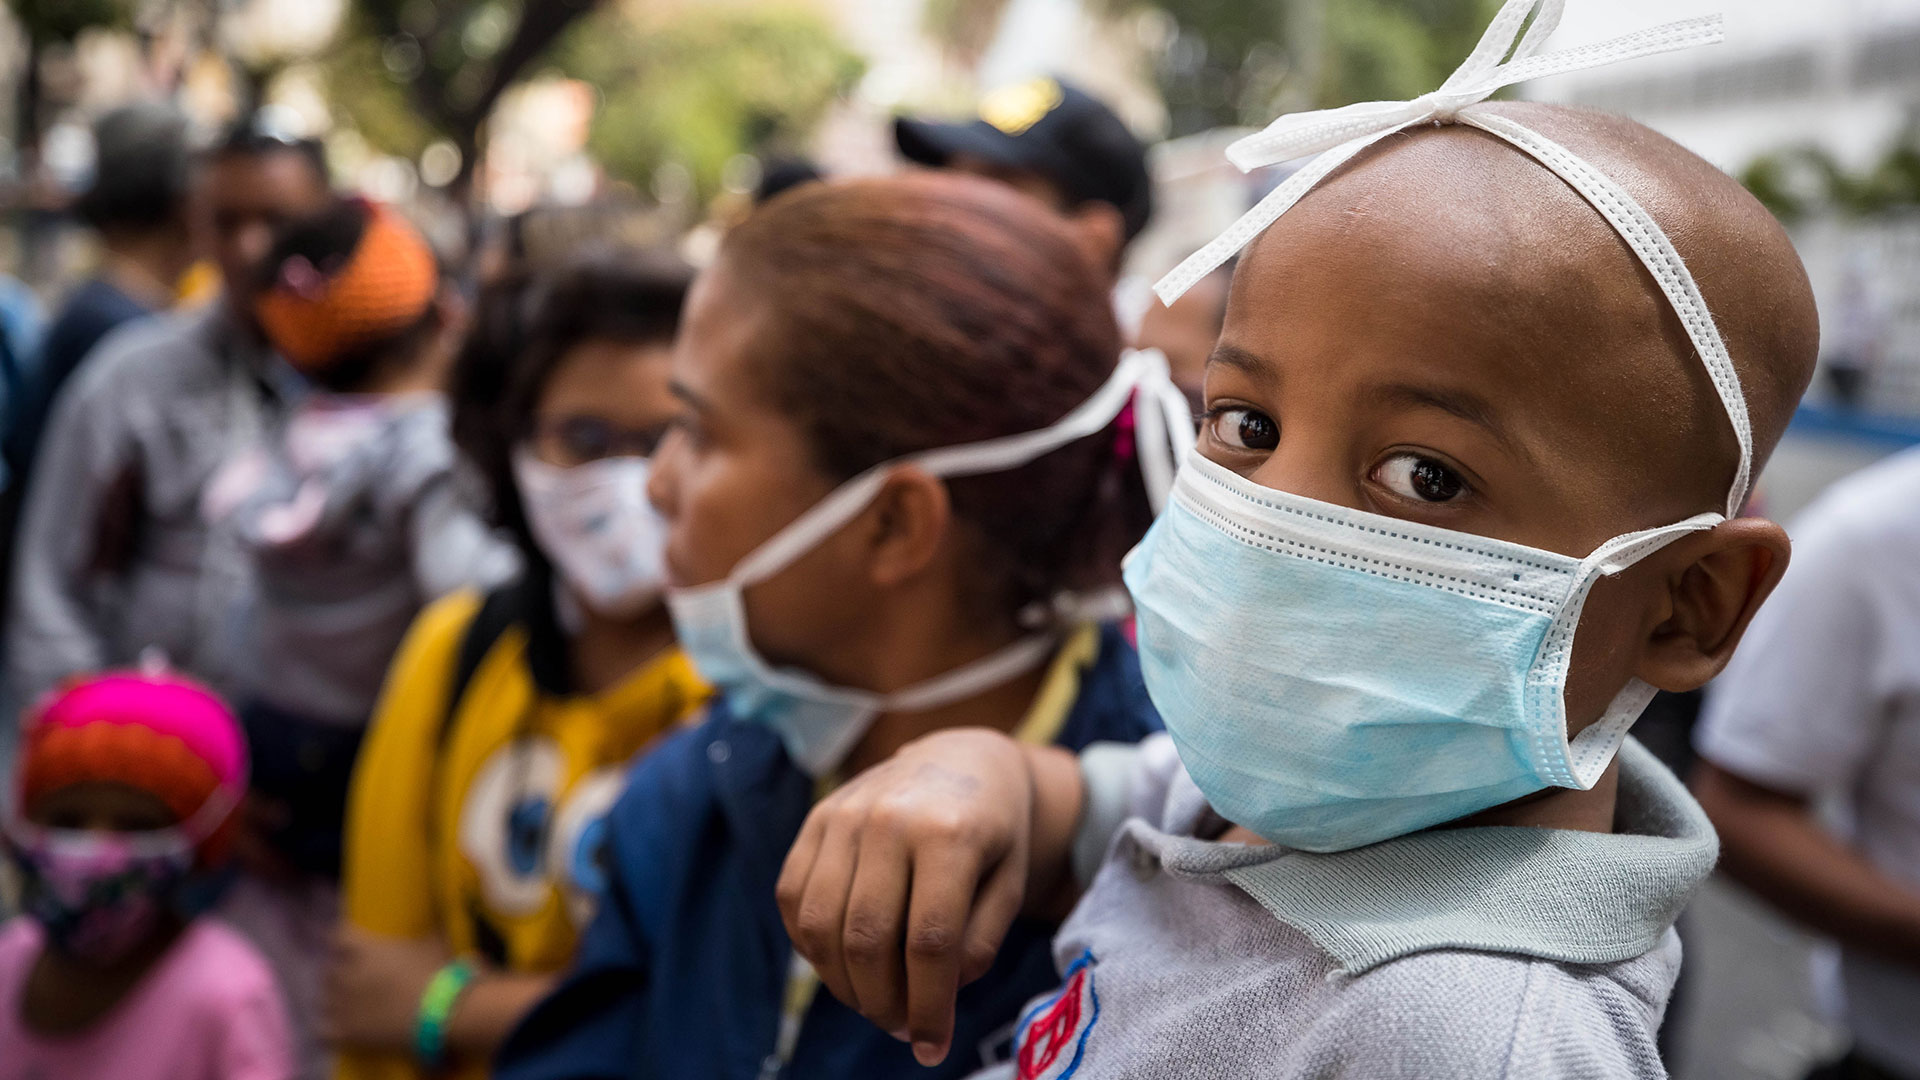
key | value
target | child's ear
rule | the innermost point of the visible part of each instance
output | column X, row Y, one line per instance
column 1712, row 596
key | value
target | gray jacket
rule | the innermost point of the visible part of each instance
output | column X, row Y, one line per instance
column 112, row 555
column 350, row 513
column 1452, row 954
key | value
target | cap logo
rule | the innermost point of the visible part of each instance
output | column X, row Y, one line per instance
column 1014, row 109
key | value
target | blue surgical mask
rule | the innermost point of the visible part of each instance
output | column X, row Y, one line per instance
column 820, row 723
column 1334, row 678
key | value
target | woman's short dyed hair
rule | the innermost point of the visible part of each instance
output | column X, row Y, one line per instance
column 933, row 309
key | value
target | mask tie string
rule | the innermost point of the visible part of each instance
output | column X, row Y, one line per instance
column 1507, row 53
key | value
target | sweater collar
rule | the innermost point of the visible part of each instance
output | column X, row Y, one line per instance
column 1555, row 894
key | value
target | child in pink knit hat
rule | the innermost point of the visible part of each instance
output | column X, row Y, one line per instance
column 117, row 824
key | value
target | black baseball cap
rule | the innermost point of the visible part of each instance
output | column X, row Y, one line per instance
column 1051, row 128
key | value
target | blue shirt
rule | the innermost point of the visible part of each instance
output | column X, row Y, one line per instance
column 683, row 972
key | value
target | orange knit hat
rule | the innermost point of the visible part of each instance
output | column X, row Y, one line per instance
column 160, row 733
column 314, row 315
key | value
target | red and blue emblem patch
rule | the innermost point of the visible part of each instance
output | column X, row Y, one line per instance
column 1053, row 1034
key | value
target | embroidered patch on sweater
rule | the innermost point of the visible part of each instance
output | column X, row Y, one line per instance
column 1053, row 1034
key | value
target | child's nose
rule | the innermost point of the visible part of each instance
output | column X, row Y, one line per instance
column 1302, row 466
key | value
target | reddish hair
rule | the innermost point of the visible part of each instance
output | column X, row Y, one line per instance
column 933, row 309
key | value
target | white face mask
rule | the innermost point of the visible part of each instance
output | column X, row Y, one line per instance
column 820, row 723
column 597, row 525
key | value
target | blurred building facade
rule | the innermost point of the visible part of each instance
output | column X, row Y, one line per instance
column 1836, row 79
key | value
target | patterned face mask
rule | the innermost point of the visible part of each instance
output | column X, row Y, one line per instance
column 99, row 894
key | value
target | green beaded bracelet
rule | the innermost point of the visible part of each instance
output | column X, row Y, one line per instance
column 436, row 1005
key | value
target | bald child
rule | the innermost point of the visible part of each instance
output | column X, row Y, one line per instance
column 1458, row 507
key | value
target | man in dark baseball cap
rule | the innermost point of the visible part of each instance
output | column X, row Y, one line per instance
column 1053, row 141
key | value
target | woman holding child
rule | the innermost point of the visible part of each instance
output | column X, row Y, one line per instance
column 904, row 445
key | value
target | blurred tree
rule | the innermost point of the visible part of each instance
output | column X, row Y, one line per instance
column 1245, row 61
column 1801, row 180
column 52, row 22
column 700, row 84
column 408, row 71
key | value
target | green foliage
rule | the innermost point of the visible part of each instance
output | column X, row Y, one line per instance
column 1801, row 180
column 408, row 70
column 705, row 84
column 63, row 20
column 1395, row 49
column 362, row 89
column 1242, row 61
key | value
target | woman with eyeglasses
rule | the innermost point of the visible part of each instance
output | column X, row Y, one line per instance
column 508, row 720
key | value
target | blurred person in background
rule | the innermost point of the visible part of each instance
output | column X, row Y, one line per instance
column 1186, row 330
column 474, row 853
column 1062, row 146
column 1857, row 343
column 349, row 515
column 844, row 328
column 21, row 319
column 1816, row 722
column 113, row 556
column 120, row 823
column 138, row 206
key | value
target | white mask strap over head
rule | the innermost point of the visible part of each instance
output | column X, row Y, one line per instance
column 1508, row 53
column 1141, row 378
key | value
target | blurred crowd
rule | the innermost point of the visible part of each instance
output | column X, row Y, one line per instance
column 395, row 510
column 365, row 609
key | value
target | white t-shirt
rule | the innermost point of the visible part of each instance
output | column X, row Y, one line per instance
column 1823, row 700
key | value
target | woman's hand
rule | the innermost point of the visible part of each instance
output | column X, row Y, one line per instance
column 373, row 988
column 904, row 882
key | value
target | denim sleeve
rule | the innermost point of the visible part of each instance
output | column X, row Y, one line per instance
column 589, row 1027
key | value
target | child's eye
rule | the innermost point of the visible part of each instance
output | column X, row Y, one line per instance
column 1244, row 429
column 1411, row 476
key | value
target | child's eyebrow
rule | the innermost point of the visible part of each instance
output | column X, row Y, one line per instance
column 1464, row 404
column 1241, row 360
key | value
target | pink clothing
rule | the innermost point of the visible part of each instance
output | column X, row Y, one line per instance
column 208, row 1010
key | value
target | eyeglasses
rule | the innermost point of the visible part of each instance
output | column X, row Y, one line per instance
column 567, row 441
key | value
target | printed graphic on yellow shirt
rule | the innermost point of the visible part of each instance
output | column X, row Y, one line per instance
column 534, row 835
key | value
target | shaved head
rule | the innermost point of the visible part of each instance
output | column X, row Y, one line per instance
column 1455, row 230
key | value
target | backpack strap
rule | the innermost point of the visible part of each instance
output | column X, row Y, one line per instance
column 498, row 611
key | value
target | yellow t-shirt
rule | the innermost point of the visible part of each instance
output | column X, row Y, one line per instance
column 487, row 835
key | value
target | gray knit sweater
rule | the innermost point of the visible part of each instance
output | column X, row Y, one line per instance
column 1453, row 954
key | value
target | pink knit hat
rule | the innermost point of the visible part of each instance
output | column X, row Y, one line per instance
column 160, row 733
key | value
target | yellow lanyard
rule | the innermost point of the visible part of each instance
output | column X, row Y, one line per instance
column 1040, row 727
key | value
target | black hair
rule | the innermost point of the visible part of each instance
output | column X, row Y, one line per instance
column 140, row 170
column 326, row 241
column 524, row 325
column 253, row 136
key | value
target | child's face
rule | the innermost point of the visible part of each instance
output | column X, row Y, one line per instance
column 1458, row 368
column 103, row 807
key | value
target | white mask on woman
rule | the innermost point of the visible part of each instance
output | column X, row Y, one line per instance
column 596, row 525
